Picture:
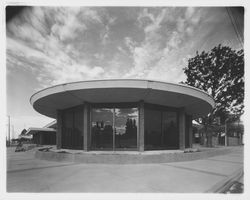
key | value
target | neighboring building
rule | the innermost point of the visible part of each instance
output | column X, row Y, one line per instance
column 196, row 132
column 52, row 124
column 235, row 132
column 123, row 114
column 43, row 136
column 24, row 136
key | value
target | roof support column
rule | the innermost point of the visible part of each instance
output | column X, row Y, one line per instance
column 41, row 138
column 86, row 124
column 140, row 140
column 182, row 126
column 190, row 131
column 59, row 130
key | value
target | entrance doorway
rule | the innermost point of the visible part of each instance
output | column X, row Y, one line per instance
column 114, row 128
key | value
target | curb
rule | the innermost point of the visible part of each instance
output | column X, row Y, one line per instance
column 127, row 158
column 224, row 184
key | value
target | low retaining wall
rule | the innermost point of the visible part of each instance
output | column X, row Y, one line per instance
column 129, row 158
column 231, row 141
column 215, row 141
column 234, row 141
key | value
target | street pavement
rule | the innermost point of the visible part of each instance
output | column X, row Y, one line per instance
column 27, row 174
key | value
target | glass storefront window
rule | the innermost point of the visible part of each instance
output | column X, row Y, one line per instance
column 126, row 122
column 114, row 128
column 72, row 128
column 170, row 130
column 161, row 130
column 153, row 135
column 78, row 128
column 67, row 129
column 102, row 129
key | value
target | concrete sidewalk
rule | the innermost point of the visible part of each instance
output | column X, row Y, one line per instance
column 27, row 174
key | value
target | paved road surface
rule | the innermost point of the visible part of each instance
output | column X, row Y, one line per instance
column 27, row 174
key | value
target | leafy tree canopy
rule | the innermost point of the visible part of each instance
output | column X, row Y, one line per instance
column 220, row 73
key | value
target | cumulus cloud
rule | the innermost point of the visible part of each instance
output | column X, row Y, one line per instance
column 66, row 40
column 75, row 72
column 148, row 52
column 67, row 27
column 60, row 62
column 105, row 33
column 175, row 40
column 189, row 12
column 71, row 21
column 158, row 55
column 62, row 41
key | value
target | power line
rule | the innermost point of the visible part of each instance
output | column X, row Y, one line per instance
column 234, row 26
column 235, row 17
column 9, row 130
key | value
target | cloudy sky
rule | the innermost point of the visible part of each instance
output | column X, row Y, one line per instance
column 53, row 45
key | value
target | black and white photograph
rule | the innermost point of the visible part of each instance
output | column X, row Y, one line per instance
column 124, row 99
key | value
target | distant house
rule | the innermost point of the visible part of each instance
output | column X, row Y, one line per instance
column 235, row 133
column 43, row 136
column 23, row 136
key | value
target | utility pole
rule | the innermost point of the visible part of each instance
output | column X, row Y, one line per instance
column 13, row 132
column 8, row 130
column 239, row 134
column 226, row 143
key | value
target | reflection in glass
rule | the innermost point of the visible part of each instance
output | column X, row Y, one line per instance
column 102, row 129
column 124, row 134
column 152, row 129
column 72, row 128
column 126, row 120
column 161, row 131
column 170, row 131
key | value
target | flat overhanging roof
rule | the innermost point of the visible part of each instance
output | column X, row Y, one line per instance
column 196, row 102
column 52, row 124
column 25, row 136
column 34, row 130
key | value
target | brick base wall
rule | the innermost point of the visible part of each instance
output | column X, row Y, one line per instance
column 215, row 141
column 233, row 141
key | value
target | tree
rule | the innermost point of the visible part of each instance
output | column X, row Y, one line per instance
column 220, row 73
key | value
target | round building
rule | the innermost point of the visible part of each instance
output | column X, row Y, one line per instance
column 123, row 114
